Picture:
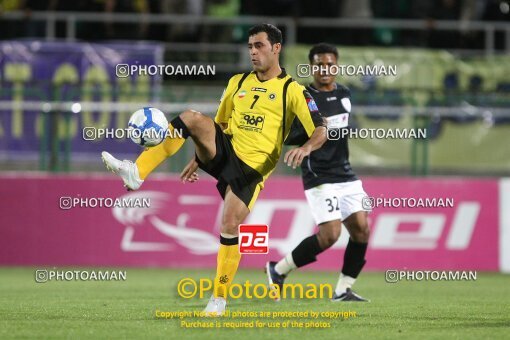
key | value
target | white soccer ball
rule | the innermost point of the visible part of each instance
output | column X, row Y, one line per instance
column 148, row 127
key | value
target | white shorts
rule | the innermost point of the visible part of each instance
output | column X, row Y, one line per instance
column 335, row 201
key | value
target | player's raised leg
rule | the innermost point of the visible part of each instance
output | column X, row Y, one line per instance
column 234, row 213
column 191, row 123
column 151, row 158
column 354, row 257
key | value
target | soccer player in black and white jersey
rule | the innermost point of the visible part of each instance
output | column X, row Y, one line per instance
column 332, row 189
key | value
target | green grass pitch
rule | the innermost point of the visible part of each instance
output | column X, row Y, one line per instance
column 126, row 309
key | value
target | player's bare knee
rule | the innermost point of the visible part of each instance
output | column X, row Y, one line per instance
column 191, row 118
column 330, row 240
column 361, row 234
column 230, row 227
column 328, row 237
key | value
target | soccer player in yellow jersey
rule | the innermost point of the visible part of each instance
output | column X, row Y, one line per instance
column 241, row 146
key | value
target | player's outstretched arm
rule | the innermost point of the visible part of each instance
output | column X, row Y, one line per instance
column 189, row 172
column 295, row 156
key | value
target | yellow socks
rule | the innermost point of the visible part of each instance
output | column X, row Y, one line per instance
column 150, row 158
column 228, row 261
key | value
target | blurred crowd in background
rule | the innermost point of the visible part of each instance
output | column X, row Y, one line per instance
column 462, row 10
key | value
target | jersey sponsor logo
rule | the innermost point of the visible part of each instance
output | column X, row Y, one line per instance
column 330, row 99
column 252, row 121
column 259, row 89
column 242, row 94
column 338, row 121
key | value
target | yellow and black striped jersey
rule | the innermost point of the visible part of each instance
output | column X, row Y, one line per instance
column 259, row 115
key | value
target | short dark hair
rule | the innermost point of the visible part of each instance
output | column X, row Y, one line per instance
column 274, row 35
column 320, row 49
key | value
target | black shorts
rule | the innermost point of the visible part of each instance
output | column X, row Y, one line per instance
column 228, row 169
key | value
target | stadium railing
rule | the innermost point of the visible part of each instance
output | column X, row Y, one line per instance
column 291, row 26
column 479, row 127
